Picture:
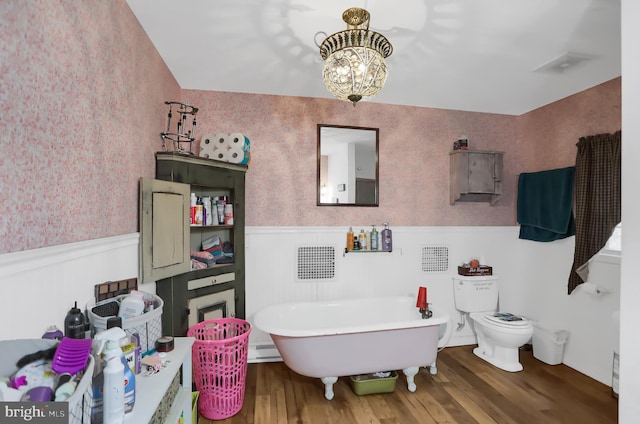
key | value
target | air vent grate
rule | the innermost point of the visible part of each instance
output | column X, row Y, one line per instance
column 316, row 263
column 435, row 258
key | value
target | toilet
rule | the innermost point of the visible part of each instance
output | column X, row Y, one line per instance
column 500, row 335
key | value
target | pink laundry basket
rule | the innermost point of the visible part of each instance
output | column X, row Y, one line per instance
column 220, row 365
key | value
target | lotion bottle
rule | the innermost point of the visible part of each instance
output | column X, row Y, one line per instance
column 387, row 242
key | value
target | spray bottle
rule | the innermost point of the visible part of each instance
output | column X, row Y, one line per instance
column 114, row 386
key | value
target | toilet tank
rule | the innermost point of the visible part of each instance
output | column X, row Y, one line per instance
column 475, row 294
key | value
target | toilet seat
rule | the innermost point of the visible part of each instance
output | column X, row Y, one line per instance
column 506, row 319
column 489, row 319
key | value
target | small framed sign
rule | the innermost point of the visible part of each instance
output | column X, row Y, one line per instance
column 342, row 187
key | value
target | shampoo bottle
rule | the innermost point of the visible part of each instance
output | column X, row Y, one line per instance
column 387, row 242
column 350, row 239
column 374, row 238
column 363, row 240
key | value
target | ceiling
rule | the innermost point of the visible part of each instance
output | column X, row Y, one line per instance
column 471, row 55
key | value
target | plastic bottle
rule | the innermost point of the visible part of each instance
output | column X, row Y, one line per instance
column 74, row 323
column 194, row 201
column 228, row 214
column 132, row 305
column 53, row 333
column 207, row 217
column 199, row 211
column 350, row 239
column 374, row 238
column 387, row 242
column 114, row 375
column 220, row 202
column 362, row 238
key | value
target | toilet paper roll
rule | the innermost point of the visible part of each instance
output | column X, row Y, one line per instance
column 220, row 155
column 207, row 145
column 221, row 141
column 592, row 289
column 236, row 139
column 235, row 154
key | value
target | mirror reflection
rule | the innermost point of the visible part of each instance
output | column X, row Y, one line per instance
column 347, row 166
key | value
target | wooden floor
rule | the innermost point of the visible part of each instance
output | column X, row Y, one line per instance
column 465, row 390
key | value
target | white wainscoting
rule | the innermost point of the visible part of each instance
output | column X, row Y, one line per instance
column 271, row 269
column 39, row 286
column 532, row 280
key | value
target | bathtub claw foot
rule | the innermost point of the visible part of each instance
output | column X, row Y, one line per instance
column 433, row 369
column 410, row 373
column 328, row 386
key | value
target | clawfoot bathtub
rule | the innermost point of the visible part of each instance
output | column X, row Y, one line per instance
column 331, row 339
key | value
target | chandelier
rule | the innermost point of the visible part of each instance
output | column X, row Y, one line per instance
column 354, row 66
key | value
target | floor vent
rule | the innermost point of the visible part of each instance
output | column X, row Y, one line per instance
column 435, row 258
column 316, row 263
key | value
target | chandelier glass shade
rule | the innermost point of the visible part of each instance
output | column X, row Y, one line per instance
column 354, row 65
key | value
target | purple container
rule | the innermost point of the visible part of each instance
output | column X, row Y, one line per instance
column 38, row 394
column 53, row 333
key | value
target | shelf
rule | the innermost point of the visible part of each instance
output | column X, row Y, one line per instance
column 365, row 251
column 150, row 390
column 216, row 227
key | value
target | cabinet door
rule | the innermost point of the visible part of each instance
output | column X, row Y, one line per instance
column 482, row 176
column 164, row 229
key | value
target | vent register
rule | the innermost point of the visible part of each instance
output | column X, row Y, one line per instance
column 316, row 263
column 319, row 262
column 435, row 258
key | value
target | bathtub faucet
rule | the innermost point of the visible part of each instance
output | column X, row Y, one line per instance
column 426, row 312
column 422, row 304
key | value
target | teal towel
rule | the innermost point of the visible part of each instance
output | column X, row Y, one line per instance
column 545, row 205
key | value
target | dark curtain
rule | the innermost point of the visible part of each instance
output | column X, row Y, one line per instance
column 597, row 199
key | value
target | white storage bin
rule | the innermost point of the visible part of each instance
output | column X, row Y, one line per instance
column 548, row 345
column 81, row 400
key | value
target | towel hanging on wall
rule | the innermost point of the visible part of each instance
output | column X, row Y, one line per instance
column 545, row 205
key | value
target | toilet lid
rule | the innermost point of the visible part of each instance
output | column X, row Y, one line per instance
column 506, row 319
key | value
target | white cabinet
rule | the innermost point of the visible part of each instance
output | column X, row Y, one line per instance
column 475, row 176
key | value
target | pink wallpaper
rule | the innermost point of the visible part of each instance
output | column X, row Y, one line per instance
column 81, row 99
column 82, row 92
column 554, row 129
column 414, row 158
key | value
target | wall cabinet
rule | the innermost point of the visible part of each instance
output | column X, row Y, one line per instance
column 167, row 237
column 475, row 176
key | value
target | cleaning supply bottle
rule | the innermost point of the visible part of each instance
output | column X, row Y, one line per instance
column 373, row 238
column 387, row 242
column 114, row 383
column 350, row 239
